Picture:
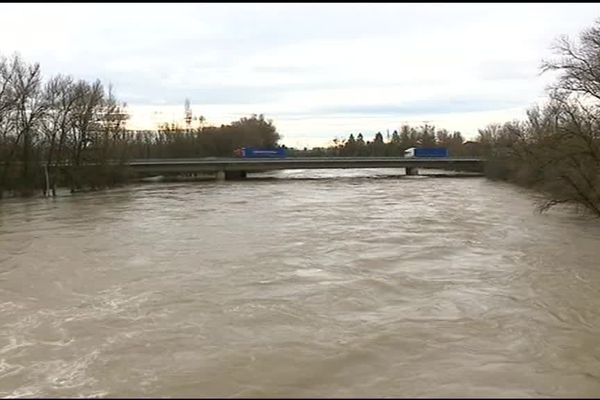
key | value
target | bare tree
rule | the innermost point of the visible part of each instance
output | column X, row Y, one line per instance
column 578, row 63
column 22, row 110
column 60, row 97
column 572, row 143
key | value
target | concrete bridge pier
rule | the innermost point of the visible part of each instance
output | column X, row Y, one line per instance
column 230, row 175
column 411, row 171
column 233, row 175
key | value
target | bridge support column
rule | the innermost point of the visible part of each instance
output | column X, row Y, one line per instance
column 233, row 175
column 230, row 175
column 411, row 171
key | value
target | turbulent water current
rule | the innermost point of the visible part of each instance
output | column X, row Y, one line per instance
column 300, row 284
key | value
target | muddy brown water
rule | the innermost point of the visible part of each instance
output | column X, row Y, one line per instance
column 310, row 283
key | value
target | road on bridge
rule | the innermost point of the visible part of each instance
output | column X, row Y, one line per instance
column 244, row 165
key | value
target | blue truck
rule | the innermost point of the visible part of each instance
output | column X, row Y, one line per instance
column 250, row 152
column 426, row 152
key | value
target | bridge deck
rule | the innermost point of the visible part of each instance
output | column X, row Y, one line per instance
column 267, row 164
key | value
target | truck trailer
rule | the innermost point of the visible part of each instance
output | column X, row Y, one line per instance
column 426, row 152
column 250, row 152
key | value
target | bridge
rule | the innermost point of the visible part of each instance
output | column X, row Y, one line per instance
column 236, row 168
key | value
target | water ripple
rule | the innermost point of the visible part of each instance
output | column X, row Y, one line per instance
column 308, row 283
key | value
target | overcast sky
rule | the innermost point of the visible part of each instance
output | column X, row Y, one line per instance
column 318, row 70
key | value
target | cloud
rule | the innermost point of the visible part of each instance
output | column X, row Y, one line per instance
column 442, row 106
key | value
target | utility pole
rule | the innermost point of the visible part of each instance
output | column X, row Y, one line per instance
column 188, row 115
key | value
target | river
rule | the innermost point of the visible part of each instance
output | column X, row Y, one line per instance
column 303, row 284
